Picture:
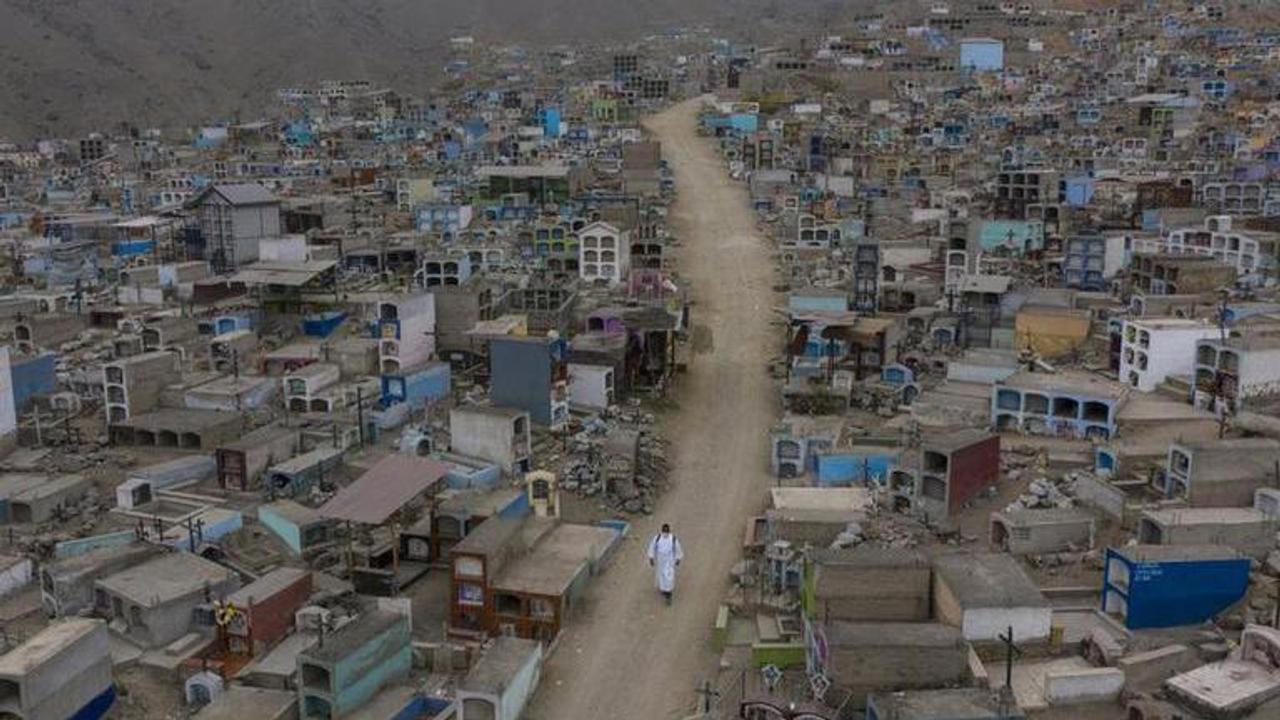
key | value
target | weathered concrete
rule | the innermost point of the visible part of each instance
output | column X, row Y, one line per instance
column 1146, row 671
column 873, row 585
column 874, row 657
column 1069, row 687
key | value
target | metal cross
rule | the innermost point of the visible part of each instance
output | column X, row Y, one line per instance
column 707, row 695
column 1010, row 652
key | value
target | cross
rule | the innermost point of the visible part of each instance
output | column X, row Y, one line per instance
column 1010, row 652
column 707, row 695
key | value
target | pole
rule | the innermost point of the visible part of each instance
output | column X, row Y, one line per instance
column 360, row 413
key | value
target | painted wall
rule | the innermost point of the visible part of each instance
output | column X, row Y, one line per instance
column 8, row 412
column 1168, row 594
column 551, row 122
column 323, row 324
column 32, row 376
column 982, row 55
column 15, row 577
column 521, row 687
column 800, row 302
column 419, row 388
column 81, row 546
column 520, row 377
column 415, row 329
column 588, row 385
column 428, row 707
column 482, row 477
column 131, row 248
column 218, row 523
column 1028, row 623
column 1170, row 351
column 518, row 507
column 973, row 468
column 289, row 533
column 271, row 616
column 1016, row 235
column 383, row 660
column 840, row 469
column 1078, row 190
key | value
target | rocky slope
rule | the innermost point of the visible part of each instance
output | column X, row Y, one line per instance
column 69, row 66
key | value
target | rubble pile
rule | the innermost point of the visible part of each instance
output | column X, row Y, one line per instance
column 625, row 484
column 882, row 528
column 651, row 465
column 87, row 459
column 1045, row 493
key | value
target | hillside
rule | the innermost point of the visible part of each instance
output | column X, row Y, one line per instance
column 68, row 66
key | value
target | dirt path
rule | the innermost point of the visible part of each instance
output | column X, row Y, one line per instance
column 625, row 655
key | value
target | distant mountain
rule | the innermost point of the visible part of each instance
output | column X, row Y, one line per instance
column 69, row 66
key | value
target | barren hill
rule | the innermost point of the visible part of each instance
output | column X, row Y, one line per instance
column 68, row 66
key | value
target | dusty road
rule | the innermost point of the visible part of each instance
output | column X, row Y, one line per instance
column 625, row 654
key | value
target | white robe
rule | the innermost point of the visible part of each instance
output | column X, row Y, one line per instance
column 664, row 553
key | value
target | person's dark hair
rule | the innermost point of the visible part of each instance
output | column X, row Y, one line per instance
column 666, row 528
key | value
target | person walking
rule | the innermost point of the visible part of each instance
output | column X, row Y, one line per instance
column 665, row 555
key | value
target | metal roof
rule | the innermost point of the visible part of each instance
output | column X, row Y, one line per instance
column 385, row 488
